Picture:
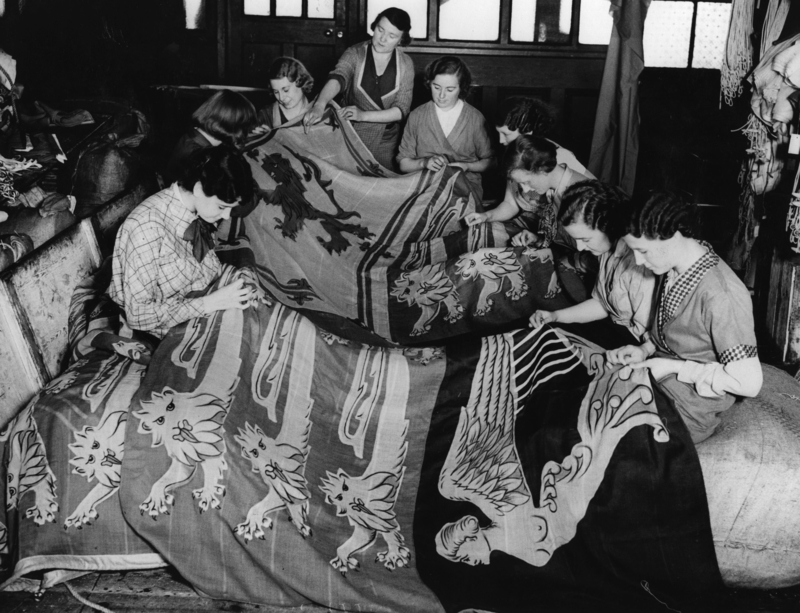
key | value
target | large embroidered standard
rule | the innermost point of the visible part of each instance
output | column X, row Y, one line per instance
column 281, row 462
column 482, row 465
column 368, row 501
column 189, row 424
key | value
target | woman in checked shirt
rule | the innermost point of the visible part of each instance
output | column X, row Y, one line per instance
column 702, row 345
column 164, row 253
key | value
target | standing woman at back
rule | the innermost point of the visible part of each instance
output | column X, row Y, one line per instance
column 377, row 80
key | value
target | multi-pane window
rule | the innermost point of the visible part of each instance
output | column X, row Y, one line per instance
column 681, row 34
column 319, row 9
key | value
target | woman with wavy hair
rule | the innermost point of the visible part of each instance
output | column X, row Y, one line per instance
column 447, row 131
column 535, row 187
column 291, row 84
column 702, row 346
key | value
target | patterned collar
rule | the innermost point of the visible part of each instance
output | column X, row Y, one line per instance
column 177, row 216
column 683, row 286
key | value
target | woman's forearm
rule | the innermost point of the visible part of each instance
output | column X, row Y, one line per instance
column 478, row 166
column 502, row 212
column 389, row 115
column 411, row 164
column 742, row 377
column 589, row 310
column 328, row 93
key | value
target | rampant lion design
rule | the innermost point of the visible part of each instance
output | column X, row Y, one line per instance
column 494, row 266
column 290, row 195
column 432, row 290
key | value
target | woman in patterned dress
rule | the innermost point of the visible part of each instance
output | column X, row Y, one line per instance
column 702, row 347
column 536, row 184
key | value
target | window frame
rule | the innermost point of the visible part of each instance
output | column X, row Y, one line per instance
column 504, row 46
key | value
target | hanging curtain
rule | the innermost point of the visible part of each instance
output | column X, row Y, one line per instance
column 615, row 143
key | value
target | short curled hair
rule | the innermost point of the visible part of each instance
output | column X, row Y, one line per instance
column 660, row 214
column 530, row 153
column 293, row 70
column 222, row 172
column 526, row 115
column 227, row 116
column 450, row 64
column 399, row 19
column 598, row 205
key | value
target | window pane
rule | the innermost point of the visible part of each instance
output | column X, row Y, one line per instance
column 256, row 7
column 289, row 8
column 320, row 9
column 468, row 20
column 194, row 13
column 542, row 21
column 667, row 31
column 416, row 9
column 710, row 34
column 596, row 22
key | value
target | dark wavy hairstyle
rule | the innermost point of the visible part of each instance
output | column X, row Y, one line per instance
column 530, row 153
column 526, row 115
column 293, row 70
column 399, row 19
column 222, row 172
column 450, row 64
column 599, row 205
column 660, row 214
column 227, row 115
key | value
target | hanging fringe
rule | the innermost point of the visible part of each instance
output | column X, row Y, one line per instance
column 773, row 23
column 738, row 51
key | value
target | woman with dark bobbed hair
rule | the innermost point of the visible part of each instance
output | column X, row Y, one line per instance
column 595, row 215
column 377, row 80
column 447, row 130
column 702, row 345
column 226, row 118
column 536, row 184
column 519, row 115
column 291, row 84
column 165, row 248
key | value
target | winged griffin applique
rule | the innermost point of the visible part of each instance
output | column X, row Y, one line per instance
column 482, row 465
column 367, row 501
column 281, row 461
column 493, row 266
column 190, row 425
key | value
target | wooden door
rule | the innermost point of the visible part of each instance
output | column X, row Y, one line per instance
column 313, row 31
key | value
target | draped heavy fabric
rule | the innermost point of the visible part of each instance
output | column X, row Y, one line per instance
column 305, row 451
column 615, row 142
